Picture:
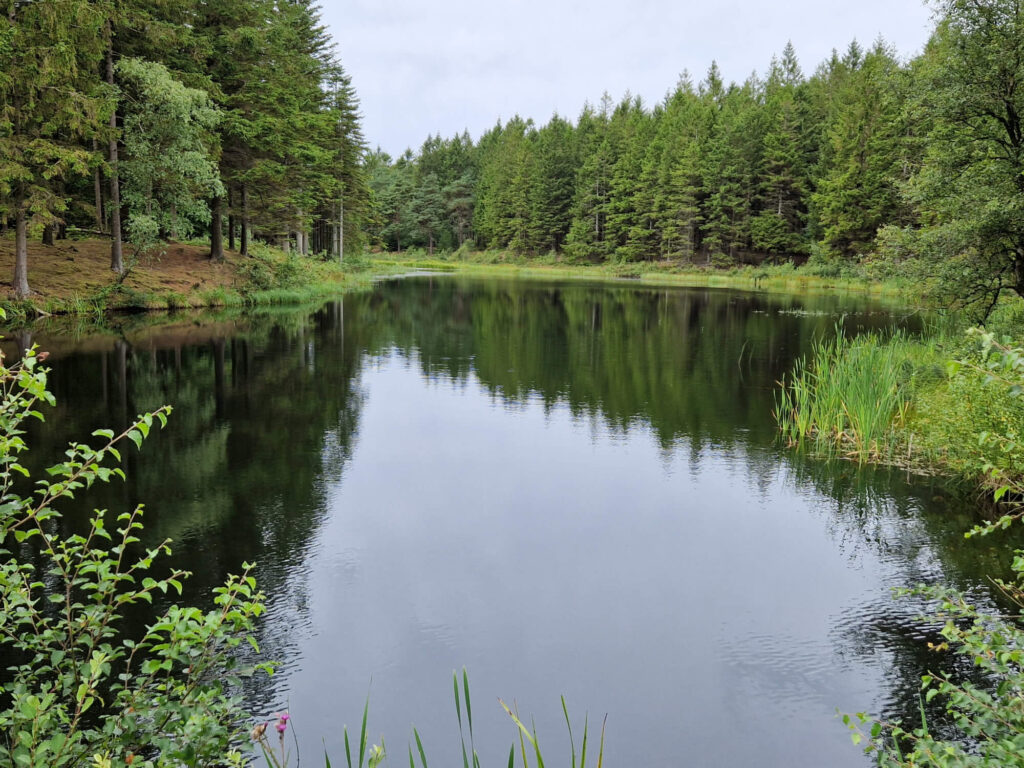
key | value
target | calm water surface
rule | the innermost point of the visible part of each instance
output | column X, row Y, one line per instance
column 571, row 489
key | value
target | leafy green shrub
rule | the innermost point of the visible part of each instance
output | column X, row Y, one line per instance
column 80, row 691
column 289, row 271
column 357, row 262
column 257, row 273
column 989, row 717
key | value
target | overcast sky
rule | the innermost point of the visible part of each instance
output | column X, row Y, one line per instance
column 443, row 66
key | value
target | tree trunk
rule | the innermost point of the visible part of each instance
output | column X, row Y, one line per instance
column 244, row 246
column 21, row 290
column 216, row 229
column 116, row 255
column 341, row 231
column 48, row 234
column 231, row 221
column 97, row 192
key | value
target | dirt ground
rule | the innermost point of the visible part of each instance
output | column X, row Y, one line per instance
column 81, row 268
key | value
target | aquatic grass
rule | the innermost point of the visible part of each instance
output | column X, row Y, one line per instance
column 847, row 396
column 469, row 718
column 374, row 755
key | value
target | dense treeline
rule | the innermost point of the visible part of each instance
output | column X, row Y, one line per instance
column 780, row 165
column 901, row 163
column 156, row 120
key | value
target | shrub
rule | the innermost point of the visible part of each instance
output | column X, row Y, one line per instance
column 989, row 718
column 79, row 690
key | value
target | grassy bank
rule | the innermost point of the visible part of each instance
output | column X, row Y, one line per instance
column 784, row 278
column 73, row 277
column 930, row 403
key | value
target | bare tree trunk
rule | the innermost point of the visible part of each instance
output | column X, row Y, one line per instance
column 216, row 229
column 97, row 191
column 231, row 221
column 341, row 231
column 21, row 290
column 244, row 248
column 48, row 234
column 116, row 255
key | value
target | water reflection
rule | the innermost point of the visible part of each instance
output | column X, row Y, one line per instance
column 573, row 489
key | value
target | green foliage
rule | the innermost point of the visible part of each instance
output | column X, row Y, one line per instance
column 988, row 717
column 78, row 689
column 857, row 194
column 857, row 396
column 923, row 410
column 967, row 190
column 847, row 396
column 169, row 169
column 267, row 269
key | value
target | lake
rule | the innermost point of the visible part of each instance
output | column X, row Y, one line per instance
column 569, row 488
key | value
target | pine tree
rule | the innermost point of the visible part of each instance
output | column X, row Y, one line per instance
column 857, row 191
column 587, row 237
column 52, row 105
column 676, row 162
column 629, row 230
column 504, row 194
column 778, row 226
column 427, row 208
column 730, row 159
column 553, row 183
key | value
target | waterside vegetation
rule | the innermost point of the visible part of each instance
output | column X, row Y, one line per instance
column 923, row 402
column 986, row 711
column 176, row 276
column 778, row 278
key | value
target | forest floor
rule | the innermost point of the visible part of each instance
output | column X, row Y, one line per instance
column 74, row 277
column 80, row 269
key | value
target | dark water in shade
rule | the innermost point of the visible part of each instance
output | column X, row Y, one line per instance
column 571, row 489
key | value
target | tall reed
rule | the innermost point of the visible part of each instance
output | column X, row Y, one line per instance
column 373, row 755
column 846, row 397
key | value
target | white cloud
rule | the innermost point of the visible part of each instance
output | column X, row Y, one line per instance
column 422, row 68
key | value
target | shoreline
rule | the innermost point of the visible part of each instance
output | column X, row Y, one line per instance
column 774, row 279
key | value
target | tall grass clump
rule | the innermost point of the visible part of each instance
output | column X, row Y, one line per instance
column 846, row 396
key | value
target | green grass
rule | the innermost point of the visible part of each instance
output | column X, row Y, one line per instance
column 847, row 396
column 529, row 746
column 922, row 402
column 777, row 278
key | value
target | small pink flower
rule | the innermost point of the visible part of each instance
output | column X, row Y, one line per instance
column 282, row 722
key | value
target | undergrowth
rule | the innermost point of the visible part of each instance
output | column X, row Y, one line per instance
column 917, row 401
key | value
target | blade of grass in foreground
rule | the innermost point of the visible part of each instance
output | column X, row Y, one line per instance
column 568, row 725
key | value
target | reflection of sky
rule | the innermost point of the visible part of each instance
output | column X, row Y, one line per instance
column 554, row 557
